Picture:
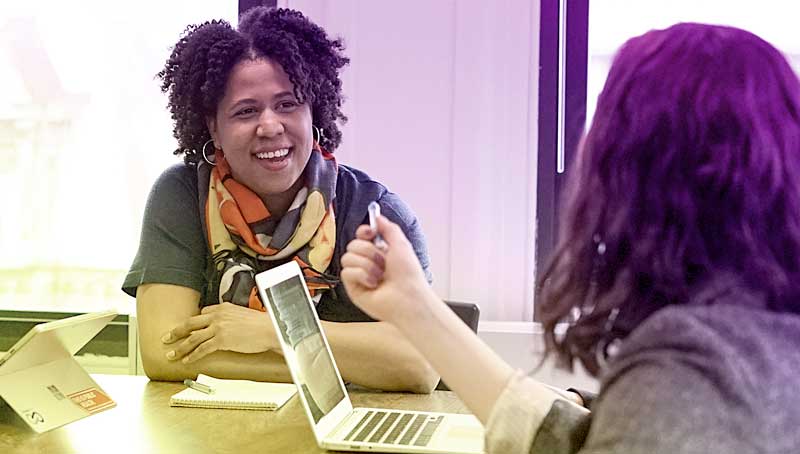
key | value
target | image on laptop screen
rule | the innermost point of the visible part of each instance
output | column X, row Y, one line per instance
column 298, row 328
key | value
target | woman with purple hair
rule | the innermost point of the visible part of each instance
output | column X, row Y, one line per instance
column 256, row 113
column 677, row 272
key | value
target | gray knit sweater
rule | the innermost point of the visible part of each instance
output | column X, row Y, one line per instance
column 719, row 376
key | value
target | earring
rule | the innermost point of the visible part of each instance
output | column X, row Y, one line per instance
column 608, row 346
column 205, row 156
column 319, row 133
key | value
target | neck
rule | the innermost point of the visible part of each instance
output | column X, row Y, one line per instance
column 278, row 204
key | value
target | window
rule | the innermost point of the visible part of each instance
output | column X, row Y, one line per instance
column 84, row 132
column 612, row 22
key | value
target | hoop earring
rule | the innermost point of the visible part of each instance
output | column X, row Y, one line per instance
column 205, row 156
column 609, row 347
column 319, row 132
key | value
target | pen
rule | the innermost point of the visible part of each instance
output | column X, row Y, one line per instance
column 374, row 211
column 198, row 386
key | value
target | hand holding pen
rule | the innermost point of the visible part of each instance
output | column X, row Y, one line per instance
column 386, row 269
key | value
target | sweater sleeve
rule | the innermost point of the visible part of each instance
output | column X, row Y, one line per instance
column 588, row 397
column 687, row 380
column 675, row 386
column 531, row 417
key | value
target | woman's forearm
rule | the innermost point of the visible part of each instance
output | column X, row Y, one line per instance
column 468, row 366
column 156, row 318
column 265, row 366
column 377, row 355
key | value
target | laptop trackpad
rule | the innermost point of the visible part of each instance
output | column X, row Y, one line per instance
column 464, row 432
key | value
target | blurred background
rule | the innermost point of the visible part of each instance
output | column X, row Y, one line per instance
column 470, row 110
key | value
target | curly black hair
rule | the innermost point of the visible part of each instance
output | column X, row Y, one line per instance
column 198, row 69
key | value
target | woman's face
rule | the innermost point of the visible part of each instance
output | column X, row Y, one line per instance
column 262, row 129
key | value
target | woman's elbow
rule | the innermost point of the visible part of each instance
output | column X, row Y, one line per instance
column 159, row 369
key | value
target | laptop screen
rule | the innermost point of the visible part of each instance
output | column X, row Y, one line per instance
column 54, row 340
column 307, row 354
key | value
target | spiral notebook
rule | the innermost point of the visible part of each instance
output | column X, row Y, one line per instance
column 235, row 394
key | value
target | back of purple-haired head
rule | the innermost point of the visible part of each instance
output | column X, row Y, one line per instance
column 690, row 172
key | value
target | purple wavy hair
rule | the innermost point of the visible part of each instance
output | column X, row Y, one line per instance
column 691, row 168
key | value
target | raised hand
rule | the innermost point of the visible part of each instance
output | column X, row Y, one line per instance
column 388, row 284
column 223, row 326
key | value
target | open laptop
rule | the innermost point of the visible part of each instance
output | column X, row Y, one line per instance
column 336, row 424
column 41, row 380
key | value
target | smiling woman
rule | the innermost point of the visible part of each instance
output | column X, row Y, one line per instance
column 264, row 130
column 256, row 112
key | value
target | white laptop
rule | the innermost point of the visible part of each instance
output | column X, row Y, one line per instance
column 41, row 380
column 336, row 424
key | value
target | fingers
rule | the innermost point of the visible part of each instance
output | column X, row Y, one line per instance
column 226, row 306
column 186, row 349
column 390, row 231
column 366, row 249
column 357, row 277
column 364, row 256
column 363, row 270
column 205, row 348
column 191, row 324
column 365, row 232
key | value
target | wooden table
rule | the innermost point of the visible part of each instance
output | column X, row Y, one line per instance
column 143, row 422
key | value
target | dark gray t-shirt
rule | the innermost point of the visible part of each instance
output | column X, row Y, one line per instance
column 173, row 249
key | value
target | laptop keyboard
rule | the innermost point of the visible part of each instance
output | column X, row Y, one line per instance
column 411, row 427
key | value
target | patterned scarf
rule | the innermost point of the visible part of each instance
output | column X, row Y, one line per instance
column 245, row 239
